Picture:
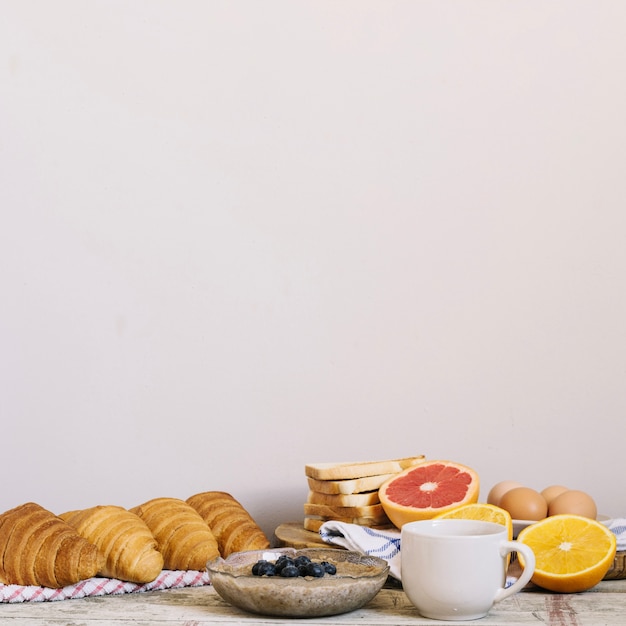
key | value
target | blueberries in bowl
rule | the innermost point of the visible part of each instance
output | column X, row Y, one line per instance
column 289, row 567
column 350, row 580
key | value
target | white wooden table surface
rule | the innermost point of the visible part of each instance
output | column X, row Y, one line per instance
column 604, row 605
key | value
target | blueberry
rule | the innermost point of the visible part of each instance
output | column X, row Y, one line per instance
column 266, row 569
column 281, row 563
column 315, row 570
column 289, row 571
column 301, row 560
column 290, row 567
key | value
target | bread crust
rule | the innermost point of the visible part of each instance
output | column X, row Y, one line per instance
column 183, row 537
column 367, row 498
column 129, row 548
column 361, row 469
column 375, row 511
column 348, row 486
column 232, row 525
column 39, row 548
column 314, row 523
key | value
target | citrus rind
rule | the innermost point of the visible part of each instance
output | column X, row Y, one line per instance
column 573, row 553
column 407, row 497
column 483, row 512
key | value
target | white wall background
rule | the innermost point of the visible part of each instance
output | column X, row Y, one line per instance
column 238, row 237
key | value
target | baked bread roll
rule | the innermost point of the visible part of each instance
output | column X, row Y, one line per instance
column 232, row 525
column 39, row 548
column 127, row 544
column 183, row 537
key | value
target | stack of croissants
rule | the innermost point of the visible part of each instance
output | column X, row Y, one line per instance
column 40, row 548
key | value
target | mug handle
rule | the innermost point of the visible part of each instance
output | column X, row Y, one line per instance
column 529, row 568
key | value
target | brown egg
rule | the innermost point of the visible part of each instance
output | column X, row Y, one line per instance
column 524, row 503
column 499, row 489
column 549, row 493
column 574, row 502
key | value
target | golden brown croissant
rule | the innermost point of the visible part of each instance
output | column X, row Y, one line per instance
column 129, row 547
column 229, row 521
column 39, row 548
column 184, row 539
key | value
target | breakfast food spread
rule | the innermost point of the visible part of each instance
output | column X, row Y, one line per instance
column 40, row 548
column 445, row 489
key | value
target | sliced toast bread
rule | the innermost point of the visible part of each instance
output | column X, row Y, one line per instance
column 352, row 485
column 347, row 471
column 367, row 498
column 375, row 511
column 314, row 523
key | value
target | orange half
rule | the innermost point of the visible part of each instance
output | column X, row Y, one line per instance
column 482, row 512
column 573, row 553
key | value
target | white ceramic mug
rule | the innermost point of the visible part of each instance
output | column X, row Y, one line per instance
column 455, row 569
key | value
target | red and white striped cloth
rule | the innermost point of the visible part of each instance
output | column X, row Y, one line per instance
column 167, row 579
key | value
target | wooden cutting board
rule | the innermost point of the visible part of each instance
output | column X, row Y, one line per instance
column 618, row 569
column 294, row 535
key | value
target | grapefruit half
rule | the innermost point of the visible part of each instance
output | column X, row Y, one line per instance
column 428, row 489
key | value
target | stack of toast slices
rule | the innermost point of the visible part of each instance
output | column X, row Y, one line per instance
column 348, row 492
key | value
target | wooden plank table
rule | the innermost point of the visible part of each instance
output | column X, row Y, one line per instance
column 604, row 605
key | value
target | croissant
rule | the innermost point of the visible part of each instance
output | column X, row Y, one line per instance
column 129, row 547
column 39, row 548
column 183, row 537
column 233, row 527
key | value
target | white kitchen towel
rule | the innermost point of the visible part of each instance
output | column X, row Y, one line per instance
column 618, row 526
column 386, row 543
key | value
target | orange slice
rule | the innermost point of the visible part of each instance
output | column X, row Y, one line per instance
column 573, row 553
column 483, row 512
column 428, row 489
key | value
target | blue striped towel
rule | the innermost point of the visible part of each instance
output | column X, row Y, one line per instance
column 618, row 526
column 386, row 543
